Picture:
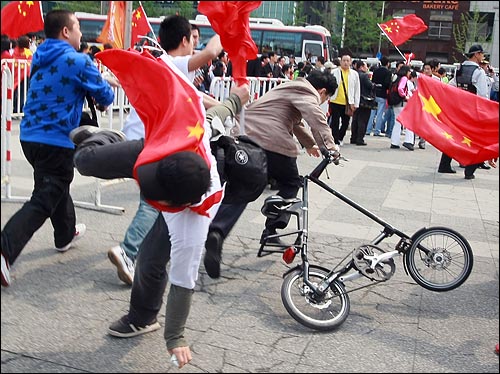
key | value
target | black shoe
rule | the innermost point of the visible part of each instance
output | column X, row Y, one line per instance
column 470, row 176
column 408, row 146
column 123, row 328
column 352, row 142
column 274, row 241
column 485, row 167
column 82, row 133
column 421, row 144
column 449, row 171
column 361, row 143
column 213, row 254
column 394, row 146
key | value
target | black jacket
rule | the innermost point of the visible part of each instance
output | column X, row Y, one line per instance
column 382, row 76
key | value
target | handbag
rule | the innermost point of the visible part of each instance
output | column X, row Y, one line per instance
column 242, row 164
column 348, row 110
column 367, row 102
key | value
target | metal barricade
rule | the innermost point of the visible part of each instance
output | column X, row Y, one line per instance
column 6, row 156
column 220, row 87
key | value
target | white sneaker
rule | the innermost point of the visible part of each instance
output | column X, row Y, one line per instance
column 341, row 143
column 80, row 230
column 125, row 265
column 5, row 272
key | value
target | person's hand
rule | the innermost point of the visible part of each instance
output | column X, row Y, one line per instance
column 493, row 162
column 243, row 92
column 111, row 79
column 313, row 151
column 198, row 80
column 183, row 355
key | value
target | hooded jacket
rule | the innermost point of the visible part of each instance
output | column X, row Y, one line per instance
column 60, row 79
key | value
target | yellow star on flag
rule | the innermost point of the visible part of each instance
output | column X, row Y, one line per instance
column 430, row 106
column 467, row 141
column 196, row 131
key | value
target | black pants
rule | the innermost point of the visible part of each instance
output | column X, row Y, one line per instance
column 281, row 168
column 359, row 124
column 337, row 115
column 52, row 173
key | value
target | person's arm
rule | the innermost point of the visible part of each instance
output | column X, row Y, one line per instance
column 210, row 52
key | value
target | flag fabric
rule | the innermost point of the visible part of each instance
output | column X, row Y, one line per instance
column 167, row 103
column 113, row 31
column 140, row 25
column 458, row 123
column 231, row 20
column 399, row 30
column 22, row 17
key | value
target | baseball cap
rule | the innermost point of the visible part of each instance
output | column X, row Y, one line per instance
column 474, row 49
column 180, row 178
column 329, row 65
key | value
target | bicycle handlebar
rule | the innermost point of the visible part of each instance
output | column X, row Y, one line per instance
column 332, row 156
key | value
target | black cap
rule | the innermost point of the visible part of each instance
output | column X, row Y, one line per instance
column 181, row 178
column 474, row 49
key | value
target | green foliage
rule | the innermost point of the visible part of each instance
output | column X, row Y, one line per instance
column 468, row 30
column 362, row 32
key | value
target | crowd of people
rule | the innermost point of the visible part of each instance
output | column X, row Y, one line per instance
column 182, row 213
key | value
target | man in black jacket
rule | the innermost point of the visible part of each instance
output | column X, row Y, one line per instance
column 382, row 77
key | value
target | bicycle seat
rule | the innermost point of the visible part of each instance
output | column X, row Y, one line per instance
column 276, row 205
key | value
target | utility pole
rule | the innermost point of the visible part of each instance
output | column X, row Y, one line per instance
column 127, row 40
column 343, row 25
column 381, row 21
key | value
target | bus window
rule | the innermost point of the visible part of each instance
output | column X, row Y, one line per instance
column 91, row 29
column 283, row 43
column 312, row 50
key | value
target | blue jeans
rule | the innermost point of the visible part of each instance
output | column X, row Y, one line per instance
column 390, row 118
column 142, row 222
column 369, row 125
column 380, row 116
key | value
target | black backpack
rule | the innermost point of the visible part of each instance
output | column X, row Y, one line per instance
column 393, row 96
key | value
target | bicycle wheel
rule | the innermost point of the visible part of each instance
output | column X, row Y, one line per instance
column 439, row 259
column 320, row 313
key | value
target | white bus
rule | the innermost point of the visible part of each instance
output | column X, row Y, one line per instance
column 268, row 34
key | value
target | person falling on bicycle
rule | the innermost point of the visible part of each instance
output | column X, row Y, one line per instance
column 272, row 121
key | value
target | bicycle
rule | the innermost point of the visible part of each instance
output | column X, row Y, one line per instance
column 437, row 258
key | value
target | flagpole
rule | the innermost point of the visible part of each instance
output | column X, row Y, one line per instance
column 402, row 55
column 128, row 25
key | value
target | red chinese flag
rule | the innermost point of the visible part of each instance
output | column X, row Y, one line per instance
column 21, row 17
column 230, row 19
column 168, row 105
column 399, row 30
column 458, row 123
column 113, row 31
column 140, row 25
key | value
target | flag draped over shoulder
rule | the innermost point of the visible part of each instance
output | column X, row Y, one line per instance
column 230, row 19
column 168, row 105
column 21, row 17
column 113, row 31
column 140, row 25
column 399, row 30
column 458, row 123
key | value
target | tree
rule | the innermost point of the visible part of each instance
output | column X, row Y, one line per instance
column 362, row 33
column 470, row 29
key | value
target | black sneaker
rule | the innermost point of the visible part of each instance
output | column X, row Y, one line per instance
column 82, row 133
column 124, row 329
column 408, row 146
column 470, row 176
column 213, row 254
column 485, row 166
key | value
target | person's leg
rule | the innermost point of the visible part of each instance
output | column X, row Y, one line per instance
column 284, row 170
column 370, row 124
column 105, row 156
column 335, row 113
column 223, row 222
column 470, row 169
column 445, row 164
column 396, row 131
column 141, row 224
column 391, row 121
column 380, row 116
column 52, row 178
column 150, row 278
column 355, row 128
column 363, row 118
column 345, row 119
